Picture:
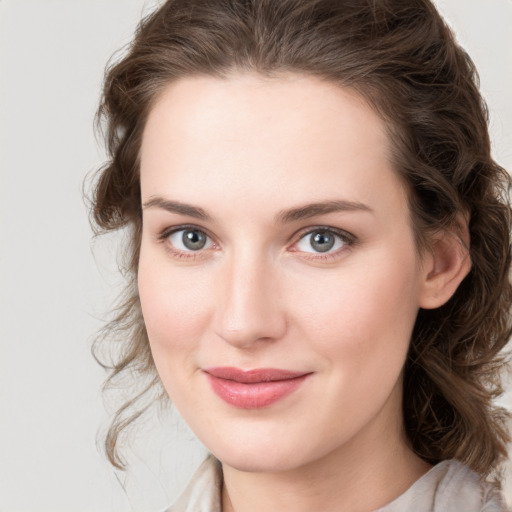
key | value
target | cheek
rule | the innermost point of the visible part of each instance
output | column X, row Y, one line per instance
column 360, row 325
column 171, row 313
column 362, row 317
column 173, row 307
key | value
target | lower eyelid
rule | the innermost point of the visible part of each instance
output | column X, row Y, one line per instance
column 208, row 251
column 345, row 239
column 164, row 235
column 185, row 255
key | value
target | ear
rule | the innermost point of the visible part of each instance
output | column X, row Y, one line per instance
column 446, row 263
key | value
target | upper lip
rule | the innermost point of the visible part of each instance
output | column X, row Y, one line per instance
column 253, row 376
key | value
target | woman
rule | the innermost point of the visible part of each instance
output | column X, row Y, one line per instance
column 319, row 252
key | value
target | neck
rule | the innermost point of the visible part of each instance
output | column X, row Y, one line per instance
column 362, row 475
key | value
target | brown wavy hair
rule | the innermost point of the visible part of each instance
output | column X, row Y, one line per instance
column 401, row 56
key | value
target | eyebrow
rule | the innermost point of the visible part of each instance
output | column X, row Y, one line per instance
column 321, row 208
column 284, row 216
column 177, row 207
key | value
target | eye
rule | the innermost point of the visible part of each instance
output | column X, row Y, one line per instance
column 189, row 239
column 322, row 241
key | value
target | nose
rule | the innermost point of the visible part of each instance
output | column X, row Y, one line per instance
column 249, row 310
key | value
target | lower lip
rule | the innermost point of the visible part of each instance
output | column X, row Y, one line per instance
column 254, row 395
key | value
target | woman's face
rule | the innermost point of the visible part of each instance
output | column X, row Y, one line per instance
column 278, row 276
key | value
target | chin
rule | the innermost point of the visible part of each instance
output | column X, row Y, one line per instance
column 262, row 454
column 257, row 461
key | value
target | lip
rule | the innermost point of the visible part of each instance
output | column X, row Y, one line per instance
column 253, row 389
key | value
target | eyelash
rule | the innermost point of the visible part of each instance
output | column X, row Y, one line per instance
column 346, row 238
column 177, row 253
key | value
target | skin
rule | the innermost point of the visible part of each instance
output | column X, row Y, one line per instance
column 245, row 150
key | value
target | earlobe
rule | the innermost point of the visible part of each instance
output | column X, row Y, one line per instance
column 446, row 265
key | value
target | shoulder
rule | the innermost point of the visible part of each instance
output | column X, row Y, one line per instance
column 203, row 493
column 449, row 487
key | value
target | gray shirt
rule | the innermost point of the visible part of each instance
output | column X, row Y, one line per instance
column 447, row 487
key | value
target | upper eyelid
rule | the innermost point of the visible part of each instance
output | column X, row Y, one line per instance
column 337, row 231
column 294, row 238
column 164, row 233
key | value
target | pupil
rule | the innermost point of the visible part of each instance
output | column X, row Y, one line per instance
column 194, row 240
column 322, row 241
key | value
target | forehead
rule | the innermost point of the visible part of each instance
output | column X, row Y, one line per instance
column 201, row 105
column 258, row 133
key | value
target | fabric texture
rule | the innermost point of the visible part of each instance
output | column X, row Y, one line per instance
column 447, row 487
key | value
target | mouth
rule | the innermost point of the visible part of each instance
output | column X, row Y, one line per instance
column 253, row 389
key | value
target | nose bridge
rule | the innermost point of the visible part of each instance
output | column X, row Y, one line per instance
column 249, row 308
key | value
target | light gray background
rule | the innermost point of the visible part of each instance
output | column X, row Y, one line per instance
column 55, row 288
